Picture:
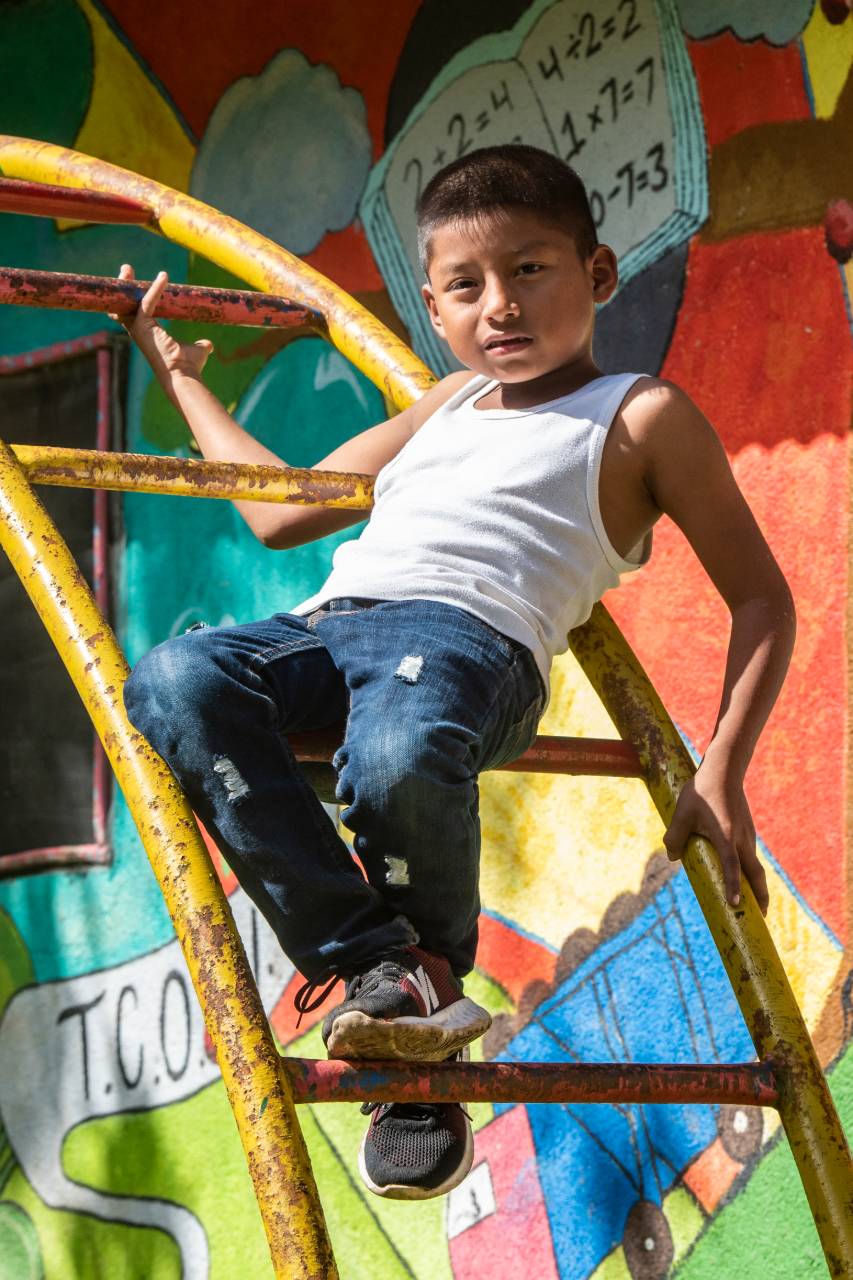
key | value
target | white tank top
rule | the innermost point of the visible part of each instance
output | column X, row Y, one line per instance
column 495, row 511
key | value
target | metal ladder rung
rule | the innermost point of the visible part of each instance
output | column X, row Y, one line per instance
column 750, row 1084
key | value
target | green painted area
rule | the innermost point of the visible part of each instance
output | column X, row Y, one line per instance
column 768, row 1226
column 614, row 1267
column 372, row 1236
column 20, row 1254
column 16, row 967
column 188, row 1154
column 685, row 1220
column 361, row 1244
column 412, row 1233
column 77, row 1245
column 16, row 971
column 44, row 81
column 491, row 996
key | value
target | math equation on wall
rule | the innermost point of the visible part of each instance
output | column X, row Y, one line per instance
column 608, row 87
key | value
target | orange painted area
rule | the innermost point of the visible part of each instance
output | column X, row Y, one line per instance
column 345, row 257
column 512, row 960
column 711, row 1174
column 762, row 340
column 741, row 85
column 283, row 1018
column 227, row 878
column 766, row 312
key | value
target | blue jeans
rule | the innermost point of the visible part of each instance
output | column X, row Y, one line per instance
column 430, row 696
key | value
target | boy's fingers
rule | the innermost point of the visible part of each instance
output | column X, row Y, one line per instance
column 675, row 837
column 125, row 272
column 148, row 305
column 731, row 871
column 756, row 876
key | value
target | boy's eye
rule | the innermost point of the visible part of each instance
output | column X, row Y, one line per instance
column 463, row 284
column 530, row 268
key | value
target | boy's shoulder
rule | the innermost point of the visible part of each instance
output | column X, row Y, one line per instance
column 654, row 408
column 442, row 391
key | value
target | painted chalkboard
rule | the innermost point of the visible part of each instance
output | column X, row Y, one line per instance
column 49, row 764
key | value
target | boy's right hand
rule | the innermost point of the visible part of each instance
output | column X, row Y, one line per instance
column 168, row 358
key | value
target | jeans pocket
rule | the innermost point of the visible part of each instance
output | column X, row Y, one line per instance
column 299, row 642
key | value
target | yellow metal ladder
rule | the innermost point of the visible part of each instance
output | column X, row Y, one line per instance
column 261, row 1086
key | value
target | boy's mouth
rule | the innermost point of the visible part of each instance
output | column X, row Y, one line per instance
column 507, row 344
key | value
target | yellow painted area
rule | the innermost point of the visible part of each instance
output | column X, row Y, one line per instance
column 810, row 958
column 614, row 1267
column 558, row 850
column 685, row 1220
column 128, row 122
column 829, row 54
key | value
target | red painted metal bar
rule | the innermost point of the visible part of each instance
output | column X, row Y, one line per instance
column 56, row 351
column 598, row 757
column 179, row 301
column 749, row 1084
column 48, row 201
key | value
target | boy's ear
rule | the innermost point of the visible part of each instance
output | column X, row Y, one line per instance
column 429, row 298
column 604, row 273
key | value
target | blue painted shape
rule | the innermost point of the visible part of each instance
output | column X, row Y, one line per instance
column 655, row 992
column 776, row 21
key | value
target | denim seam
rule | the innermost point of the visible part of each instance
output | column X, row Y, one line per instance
column 296, row 645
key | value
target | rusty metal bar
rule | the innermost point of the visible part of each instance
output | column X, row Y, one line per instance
column 47, row 200
column 597, row 757
column 66, row 292
column 751, row 1084
column 254, row 1079
column 759, row 981
column 192, row 477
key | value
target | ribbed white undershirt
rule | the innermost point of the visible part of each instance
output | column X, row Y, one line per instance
column 495, row 511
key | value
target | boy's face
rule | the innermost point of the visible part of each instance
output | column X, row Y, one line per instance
column 513, row 297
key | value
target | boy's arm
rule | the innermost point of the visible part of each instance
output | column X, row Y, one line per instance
column 687, row 475
column 178, row 368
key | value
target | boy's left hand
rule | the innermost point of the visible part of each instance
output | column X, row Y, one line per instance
column 713, row 804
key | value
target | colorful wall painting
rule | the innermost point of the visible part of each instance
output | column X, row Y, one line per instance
column 118, row 1154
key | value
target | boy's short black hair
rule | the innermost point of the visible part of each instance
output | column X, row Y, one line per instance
column 514, row 176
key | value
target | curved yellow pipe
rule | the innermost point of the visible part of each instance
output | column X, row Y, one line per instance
column 251, row 1068
column 758, row 978
column 355, row 331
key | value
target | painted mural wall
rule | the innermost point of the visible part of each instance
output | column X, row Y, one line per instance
column 715, row 138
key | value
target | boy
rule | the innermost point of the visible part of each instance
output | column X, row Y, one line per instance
column 507, row 500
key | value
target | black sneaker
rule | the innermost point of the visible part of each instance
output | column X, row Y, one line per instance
column 408, row 1005
column 414, row 1151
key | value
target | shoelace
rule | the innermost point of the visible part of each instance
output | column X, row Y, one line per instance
column 302, row 1001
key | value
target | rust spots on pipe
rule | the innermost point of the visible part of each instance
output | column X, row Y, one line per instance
column 178, row 301
column 744, row 1084
column 194, row 477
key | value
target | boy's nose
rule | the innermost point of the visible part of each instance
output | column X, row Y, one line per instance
column 499, row 303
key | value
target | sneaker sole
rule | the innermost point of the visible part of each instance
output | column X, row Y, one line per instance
column 356, row 1035
column 404, row 1191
